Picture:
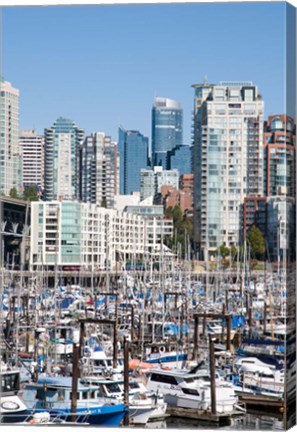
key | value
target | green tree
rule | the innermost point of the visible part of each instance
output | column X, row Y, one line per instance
column 233, row 252
column 256, row 240
column 223, row 251
column 13, row 193
column 30, row 194
column 182, row 230
column 104, row 203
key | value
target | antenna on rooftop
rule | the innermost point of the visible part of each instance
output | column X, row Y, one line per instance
column 205, row 81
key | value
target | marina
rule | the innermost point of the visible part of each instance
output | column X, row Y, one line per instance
column 145, row 348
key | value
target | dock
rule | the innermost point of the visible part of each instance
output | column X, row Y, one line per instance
column 203, row 415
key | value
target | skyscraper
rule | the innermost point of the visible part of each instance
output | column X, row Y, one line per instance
column 227, row 161
column 10, row 156
column 62, row 161
column 180, row 158
column 167, row 129
column 100, row 170
column 32, row 150
column 133, row 151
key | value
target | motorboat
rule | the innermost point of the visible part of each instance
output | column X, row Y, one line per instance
column 12, row 408
column 188, row 390
column 143, row 404
column 54, row 394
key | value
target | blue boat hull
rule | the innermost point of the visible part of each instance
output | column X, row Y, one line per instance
column 168, row 359
column 110, row 416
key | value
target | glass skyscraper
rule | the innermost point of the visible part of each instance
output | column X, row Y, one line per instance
column 180, row 158
column 167, row 129
column 62, row 160
column 133, row 151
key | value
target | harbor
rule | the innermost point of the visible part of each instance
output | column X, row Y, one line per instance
column 148, row 348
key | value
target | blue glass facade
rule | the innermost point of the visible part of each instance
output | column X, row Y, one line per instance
column 167, row 129
column 180, row 158
column 133, row 151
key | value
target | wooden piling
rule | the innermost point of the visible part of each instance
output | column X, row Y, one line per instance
column 227, row 300
column 195, row 350
column 126, row 381
column 265, row 318
column 229, row 325
column 139, row 329
column 74, row 386
column 250, row 321
column 115, row 345
column 132, row 323
column 81, row 339
column 204, row 325
column 212, row 376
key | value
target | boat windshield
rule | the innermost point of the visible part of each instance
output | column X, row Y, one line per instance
column 192, row 392
column 113, row 388
column 189, row 380
column 134, row 385
column 99, row 362
column 10, row 383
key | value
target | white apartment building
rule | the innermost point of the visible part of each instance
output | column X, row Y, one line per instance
column 227, row 160
column 151, row 181
column 10, row 155
column 32, row 150
column 87, row 236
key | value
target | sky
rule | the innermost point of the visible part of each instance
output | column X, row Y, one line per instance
column 102, row 66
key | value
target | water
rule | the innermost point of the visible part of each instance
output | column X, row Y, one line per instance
column 246, row 422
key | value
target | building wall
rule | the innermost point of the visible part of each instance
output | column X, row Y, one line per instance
column 227, row 161
column 10, row 154
column 152, row 181
column 280, row 156
column 186, row 182
column 62, row 160
column 167, row 129
column 88, row 236
column 133, row 154
column 281, row 228
column 32, row 150
column 172, row 197
column 100, row 170
column 255, row 213
column 180, row 158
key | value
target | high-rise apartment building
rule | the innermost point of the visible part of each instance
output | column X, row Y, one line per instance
column 152, row 181
column 99, row 170
column 227, row 160
column 10, row 155
column 167, row 129
column 274, row 213
column 133, row 152
column 279, row 156
column 62, row 160
column 32, row 150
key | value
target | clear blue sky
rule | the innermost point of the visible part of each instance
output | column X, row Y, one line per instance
column 102, row 65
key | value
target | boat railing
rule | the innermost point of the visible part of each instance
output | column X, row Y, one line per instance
column 44, row 417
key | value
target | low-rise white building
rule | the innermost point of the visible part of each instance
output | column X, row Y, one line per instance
column 83, row 235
